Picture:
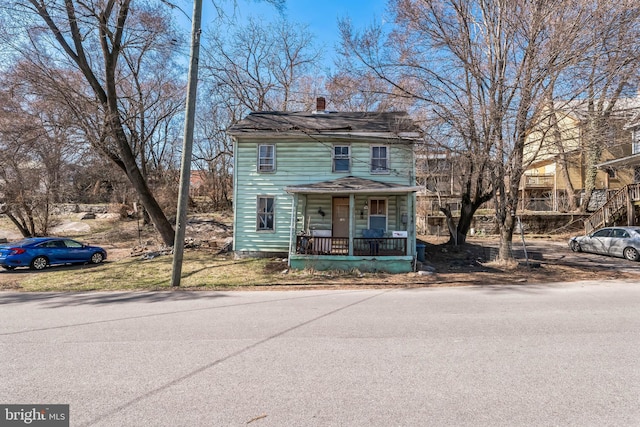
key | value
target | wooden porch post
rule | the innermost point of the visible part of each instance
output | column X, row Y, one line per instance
column 352, row 221
column 292, row 233
column 630, row 210
column 411, row 224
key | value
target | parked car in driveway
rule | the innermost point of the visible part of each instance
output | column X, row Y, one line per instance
column 621, row 242
column 41, row 252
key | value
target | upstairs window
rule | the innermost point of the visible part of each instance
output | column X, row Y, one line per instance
column 265, row 213
column 341, row 158
column 379, row 159
column 266, row 158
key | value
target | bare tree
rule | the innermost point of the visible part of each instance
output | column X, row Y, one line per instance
column 481, row 73
column 608, row 72
column 256, row 67
column 105, row 42
column 259, row 67
column 363, row 93
column 35, row 154
column 213, row 154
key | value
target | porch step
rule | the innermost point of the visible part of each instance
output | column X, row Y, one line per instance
column 615, row 209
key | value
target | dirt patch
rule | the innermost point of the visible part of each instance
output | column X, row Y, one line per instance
column 538, row 260
column 276, row 265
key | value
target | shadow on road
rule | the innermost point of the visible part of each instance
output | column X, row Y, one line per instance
column 59, row 299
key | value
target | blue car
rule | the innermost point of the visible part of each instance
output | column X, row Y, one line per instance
column 41, row 252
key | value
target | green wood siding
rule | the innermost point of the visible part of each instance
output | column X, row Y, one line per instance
column 300, row 162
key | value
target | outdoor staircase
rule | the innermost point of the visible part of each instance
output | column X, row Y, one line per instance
column 616, row 208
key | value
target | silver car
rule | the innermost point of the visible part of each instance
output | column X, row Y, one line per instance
column 621, row 242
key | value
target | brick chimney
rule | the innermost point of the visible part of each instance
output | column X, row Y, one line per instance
column 320, row 104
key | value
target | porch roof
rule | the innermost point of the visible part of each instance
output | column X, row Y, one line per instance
column 349, row 185
column 633, row 160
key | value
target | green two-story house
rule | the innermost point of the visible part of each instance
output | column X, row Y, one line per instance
column 327, row 190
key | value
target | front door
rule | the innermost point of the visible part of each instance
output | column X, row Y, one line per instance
column 340, row 217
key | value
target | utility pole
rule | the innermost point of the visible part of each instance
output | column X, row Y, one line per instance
column 187, row 146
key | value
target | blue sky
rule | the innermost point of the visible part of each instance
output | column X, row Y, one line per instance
column 320, row 15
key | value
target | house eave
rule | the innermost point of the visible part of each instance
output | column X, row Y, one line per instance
column 406, row 138
column 308, row 190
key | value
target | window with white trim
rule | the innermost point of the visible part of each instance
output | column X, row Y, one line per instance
column 266, row 158
column 378, row 214
column 266, row 211
column 379, row 159
column 341, row 158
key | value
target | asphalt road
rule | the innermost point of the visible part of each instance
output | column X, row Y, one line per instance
column 477, row 356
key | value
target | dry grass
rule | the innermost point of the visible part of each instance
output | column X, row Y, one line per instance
column 203, row 269
column 200, row 270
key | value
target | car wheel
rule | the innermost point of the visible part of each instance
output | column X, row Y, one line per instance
column 575, row 246
column 631, row 254
column 39, row 263
column 97, row 258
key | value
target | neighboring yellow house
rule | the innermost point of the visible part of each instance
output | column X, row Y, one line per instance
column 555, row 160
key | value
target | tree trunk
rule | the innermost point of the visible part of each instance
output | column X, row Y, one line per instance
column 592, row 158
column 593, row 150
column 150, row 204
column 23, row 230
column 571, row 192
column 458, row 232
column 564, row 163
column 505, row 251
column 467, row 211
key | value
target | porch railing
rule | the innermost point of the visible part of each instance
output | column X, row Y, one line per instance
column 385, row 246
column 613, row 206
column 538, row 181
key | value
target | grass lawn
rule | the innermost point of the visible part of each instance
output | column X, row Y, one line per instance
column 200, row 271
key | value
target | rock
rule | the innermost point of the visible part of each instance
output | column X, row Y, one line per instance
column 88, row 215
column 71, row 227
column 425, row 273
column 108, row 216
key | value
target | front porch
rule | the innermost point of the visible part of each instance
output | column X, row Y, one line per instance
column 353, row 223
column 368, row 247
